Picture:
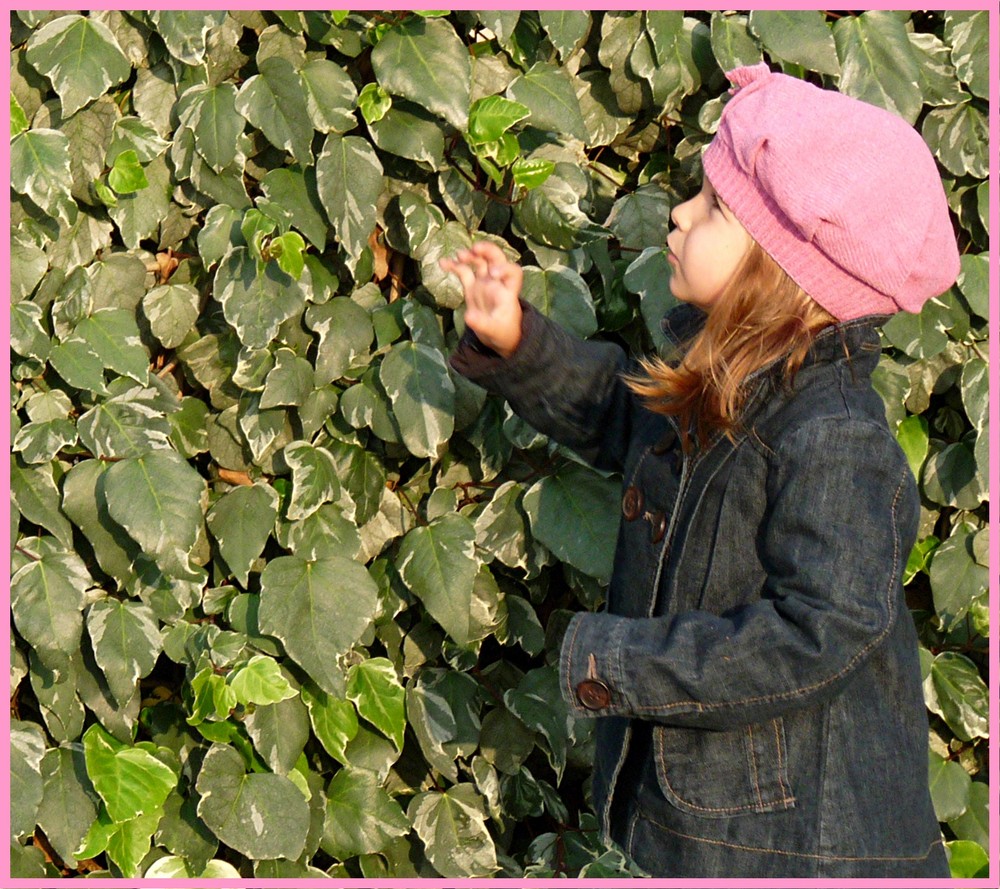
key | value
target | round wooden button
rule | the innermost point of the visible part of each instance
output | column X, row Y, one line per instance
column 658, row 521
column 632, row 503
column 593, row 694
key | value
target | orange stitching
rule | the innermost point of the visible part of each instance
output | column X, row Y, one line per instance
column 745, row 848
column 781, row 762
column 663, row 775
column 569, row 660
column 753, row 767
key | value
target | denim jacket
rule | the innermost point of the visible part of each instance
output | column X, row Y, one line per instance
column 755, row 674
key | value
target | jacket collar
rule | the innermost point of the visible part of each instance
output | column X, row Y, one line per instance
column 856, row 340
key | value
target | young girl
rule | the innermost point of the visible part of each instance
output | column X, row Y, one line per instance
column 755, row 673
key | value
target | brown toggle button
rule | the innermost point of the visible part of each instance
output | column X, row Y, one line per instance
column 658, row 521
column 593, row 694
column 632, row 503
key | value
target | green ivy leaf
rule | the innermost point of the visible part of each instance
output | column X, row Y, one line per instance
column 974, row 824
column 665, row 58
column 126, row 174
column 957, row 579
column 80, row 56
column 41, row 441
column 289, row 383
column 211, row 113
column 974, row 282
column 919, row 335
column 374, row 103
column 173, row 867
column 968, row 34
column 292, row 192
column 262, row 816
column 47, row 598
column 156, row 499
column 33, row 491
column 334, row 720
column 950, row 787
column 955, row 134
column 241, row 522
column 330, row 96
column 349, row 179
column 529, row 174
column 938, row 82
column 492, row 116
column 345, row 334
column 185, row 31
column 574, row 514
column 126, row 425
column 562, row 295
column 438, row 563
column 361, row 817
column 318, row 609
column 877, row 63
column 69, row 803
column 136, row 134
column 287, row 250
column 40, row 169
column 27, row 747
column 260, row 681
column 546, row 90
column 538, row 703
column 27, row 336
column 452, row 826
column 126, row 842
column 976, row 392
column 138, row 215
column 950, row 477
column 130, row 780
column 314, row 479
column 274, row 101
column 257, row 300
column 799, row 36
column 424, row 61
column 126, row 641
column 732, row 43
column 172, row 310
column 966, row 859
column 641, row 219
column 18, row 119
column 375, row 690
column 566, row 28
column 417, row 382
column 958, row 695
column 442, row 706
column 409, row 131
column 114, row 337
column 913, row 438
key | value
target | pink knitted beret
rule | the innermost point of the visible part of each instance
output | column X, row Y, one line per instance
column 845, row 196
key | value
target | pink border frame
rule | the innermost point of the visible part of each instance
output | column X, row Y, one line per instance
column 994, row 550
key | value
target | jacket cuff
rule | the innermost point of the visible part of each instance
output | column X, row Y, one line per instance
column 590, row 670
column 479, row 363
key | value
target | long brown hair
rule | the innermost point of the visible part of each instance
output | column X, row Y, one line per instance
column 761, row 316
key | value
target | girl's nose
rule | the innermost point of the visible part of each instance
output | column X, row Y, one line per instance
column 680, row 214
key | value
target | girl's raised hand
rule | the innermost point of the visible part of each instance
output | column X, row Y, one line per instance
column 492, row 285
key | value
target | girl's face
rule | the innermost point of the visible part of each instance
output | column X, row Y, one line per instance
column 706, row 246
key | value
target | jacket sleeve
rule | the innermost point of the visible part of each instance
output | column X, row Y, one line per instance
column 842, row 517
column 565, row 387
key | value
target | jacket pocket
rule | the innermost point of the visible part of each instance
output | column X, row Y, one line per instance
column 719, row 774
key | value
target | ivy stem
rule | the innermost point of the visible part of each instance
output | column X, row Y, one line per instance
column 29, row 555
